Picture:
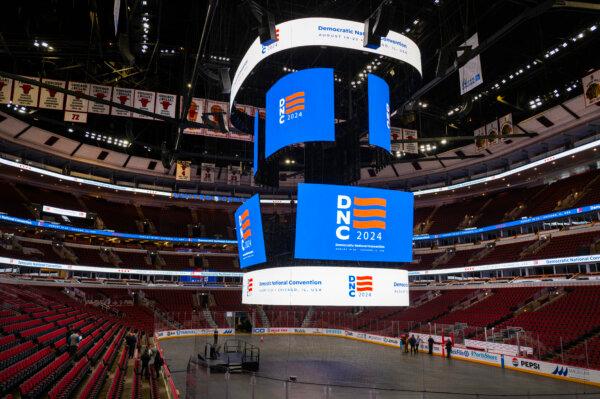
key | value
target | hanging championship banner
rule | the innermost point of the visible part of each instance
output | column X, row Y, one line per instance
column 505, row 126
column 245, row 109
column 26, row 94
column 470, row 73
column 233, row 175
column 412, row 147
column 480, row 137
column 102, row 93
column 396, row 134
column 76, row 107
column 491, row 131
column 183, row 171
column 591, row 88
column 165, row 104
column 74, row 103
column 6, row 85
column 50, row 98
column 124, row 97
column 144, row 100
column 207, row 173
column 195, row 111
column 217, row 107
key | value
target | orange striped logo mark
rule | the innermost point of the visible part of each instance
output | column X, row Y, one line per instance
column 244, row 221
column 294, row 102
column 364, row 283
column 370, row 201
column 371, row 218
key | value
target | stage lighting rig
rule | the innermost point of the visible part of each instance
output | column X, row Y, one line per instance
column 378, row 24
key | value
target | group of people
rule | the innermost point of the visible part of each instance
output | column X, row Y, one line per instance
column 152, row 361
column 413, row 343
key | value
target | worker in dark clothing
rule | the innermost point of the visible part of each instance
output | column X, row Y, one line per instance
column 430, row 345
column 412, row 341
column 405, row 342
column 145, row 361
column 215, row 338
column 73, row 342
column 131, row 341
column 158, row 362
column 448, row 348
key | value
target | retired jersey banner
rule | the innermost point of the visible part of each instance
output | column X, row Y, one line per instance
column 183, row 171
column 144, row 100
column 51, row 98
column 234, row 174
column 102, row 93
column 245, row 109
column 591, row 88
column 480, row 137
column 207, row 173
column 76, row 117
column 412, row 147
column 353, row 223
column 6, row 85
column 217, row 107
column 396, row 134
column 165, row 104
column 74, row 103
column 470, row 73
column 26, row 94
column 124, row 97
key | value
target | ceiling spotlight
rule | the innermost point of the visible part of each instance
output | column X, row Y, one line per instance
column 593, row 28
column 70, row 130
column 444, row 142
column 189, row 85
column 44, row 44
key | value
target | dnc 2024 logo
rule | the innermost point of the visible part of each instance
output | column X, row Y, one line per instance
column 362, row 218
column 291, row 107
column 360, row 286
column 250, row 286
column 244, row 228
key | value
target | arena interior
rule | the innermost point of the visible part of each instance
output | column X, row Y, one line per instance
column 166, row 169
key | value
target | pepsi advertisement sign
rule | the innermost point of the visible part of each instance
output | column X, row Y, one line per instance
column 300, row 108
column 379, row 112
column 249, row 232
column 353, row 223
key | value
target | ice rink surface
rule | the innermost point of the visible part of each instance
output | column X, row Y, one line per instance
column 337, row 368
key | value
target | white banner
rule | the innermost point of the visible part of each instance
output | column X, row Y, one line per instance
column 326, row 286
column 75, row 117
column 207, row 174
column 491, row 131
column 470, row 74
column 396, row 134
column 323, row 32
column 165, row 104
column 61, row 211
column 183, row 170
column 480, row 137
column 6, row 85
column 25, row 94
column 505, row 125
column 413, row 147
column 144, row 100
column 195, row 111
column 77, row 104
column 124, row 97
column 591, row 88
column 50, row 98
column 234, row 174
column 102, row 93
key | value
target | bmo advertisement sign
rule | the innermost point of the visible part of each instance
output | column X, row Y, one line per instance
column 326, row 286
column 353, row 223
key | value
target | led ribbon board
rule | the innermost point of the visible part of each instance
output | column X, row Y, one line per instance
column 249, row 232
column 379, row 112
column 300, row 108
column 328, row 32
column 353, row 223
column 326, row 286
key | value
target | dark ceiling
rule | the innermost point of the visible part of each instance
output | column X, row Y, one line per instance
column 85, row 48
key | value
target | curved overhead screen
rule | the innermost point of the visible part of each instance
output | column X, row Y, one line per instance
column 323, row 32
column 353, row 223
column 326, row 286
column 300, row 108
